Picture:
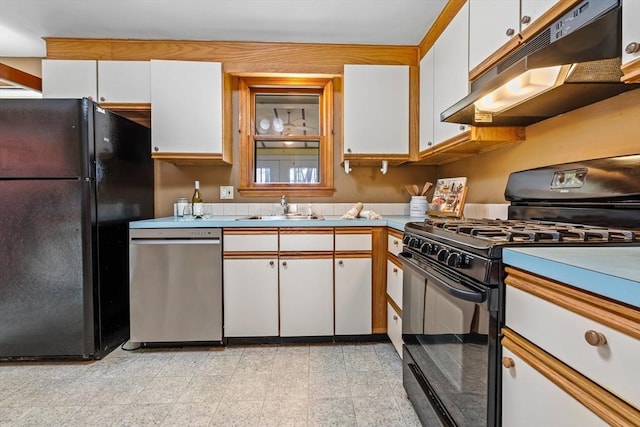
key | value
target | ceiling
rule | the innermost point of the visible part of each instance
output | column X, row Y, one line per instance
column 23, row 23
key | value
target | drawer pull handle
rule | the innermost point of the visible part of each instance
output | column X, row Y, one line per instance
column 594, row 338
column 284, row 263
column 395, row 243
column 395, row 270
column 508, row 362
column 395, row 317
column 271, row 263
column 340, row 263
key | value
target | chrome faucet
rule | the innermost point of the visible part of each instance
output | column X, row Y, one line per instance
column 284, row 204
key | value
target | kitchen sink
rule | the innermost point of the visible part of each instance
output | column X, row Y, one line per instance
column 281, row 217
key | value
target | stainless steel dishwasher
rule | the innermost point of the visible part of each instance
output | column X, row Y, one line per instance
column 175, row 278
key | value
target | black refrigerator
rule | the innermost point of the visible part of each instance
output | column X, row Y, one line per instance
column 72, row 177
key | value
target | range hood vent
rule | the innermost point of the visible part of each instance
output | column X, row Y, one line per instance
column 572, row 63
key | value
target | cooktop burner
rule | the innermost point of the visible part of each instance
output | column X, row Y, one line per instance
column 503, row 231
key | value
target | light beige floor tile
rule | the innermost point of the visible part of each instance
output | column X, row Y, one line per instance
column 377, row 411
column 289, row 412
column 368, row 383
column 287, row 386
column 191, row 414
column 205, row 389
column 98, row 416
column 246, row 387
column 218, row 365
column 324, row 385
column 362, row 361
column 238, row 413
column 47, row 416
column 332, row 412
column 163, row 390
column 147, row 414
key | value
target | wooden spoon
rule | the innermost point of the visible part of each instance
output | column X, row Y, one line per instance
column 410, row 190
column 426, row 188
column 416, row 190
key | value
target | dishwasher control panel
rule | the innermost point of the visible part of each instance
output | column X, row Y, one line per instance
column 175, row 233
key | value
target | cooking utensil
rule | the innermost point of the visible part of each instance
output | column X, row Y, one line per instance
column 427, row 186
column 410, row 190
column 416, row 190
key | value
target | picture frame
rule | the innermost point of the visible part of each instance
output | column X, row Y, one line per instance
column 448, row 197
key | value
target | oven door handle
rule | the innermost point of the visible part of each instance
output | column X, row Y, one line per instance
column 446, row 284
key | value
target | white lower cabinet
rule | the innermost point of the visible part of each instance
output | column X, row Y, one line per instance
column 306, row 296
column 530, row 399
column 394, row 328
column 251, row 297
column 353, row 296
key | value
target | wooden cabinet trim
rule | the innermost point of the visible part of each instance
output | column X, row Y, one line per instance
column 598, row 400
column 631, row 71
column 379, row 279
column 353, row 230
column 285, row 255
column 309, row 230
column 395, row 233
column 20, row 77
column 249, row 231
column 395, row 260
column 352, row 254
column 616, row 315
column 251, row 255
column 395, row 306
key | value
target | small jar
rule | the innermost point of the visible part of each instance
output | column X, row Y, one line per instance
column 418, row 206
column 181, row 203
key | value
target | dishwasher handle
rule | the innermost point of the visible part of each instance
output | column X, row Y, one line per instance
column 175, row 241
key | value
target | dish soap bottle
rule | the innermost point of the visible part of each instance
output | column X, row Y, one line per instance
column 197, row 206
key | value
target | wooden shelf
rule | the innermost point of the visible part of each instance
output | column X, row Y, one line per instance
column 192, row 159
column 473, row 142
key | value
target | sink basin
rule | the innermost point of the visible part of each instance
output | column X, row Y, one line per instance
column 281, row 217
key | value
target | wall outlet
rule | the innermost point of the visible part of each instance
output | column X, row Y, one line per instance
column 226, row 191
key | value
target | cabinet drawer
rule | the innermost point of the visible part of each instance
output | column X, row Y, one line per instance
column 267, row 242
column 394, row 283
column 522, row 385
column 394, row 328
column 613, row 365
column 306, row 241
column 395, row 243
column 353, row 242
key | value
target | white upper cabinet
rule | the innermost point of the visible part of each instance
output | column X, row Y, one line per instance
column 69, row 79
column 376, row 109
column 451, row 78
column 630, row 31
column 493, row 23
column 186, row 99
column 426, row 101
column 124, row 82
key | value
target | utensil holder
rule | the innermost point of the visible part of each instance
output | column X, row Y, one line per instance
column 418, row 206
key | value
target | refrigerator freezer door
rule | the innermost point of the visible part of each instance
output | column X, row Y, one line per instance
column 45, row 290
column 44, row 138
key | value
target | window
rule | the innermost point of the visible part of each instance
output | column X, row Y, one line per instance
column 286, row 138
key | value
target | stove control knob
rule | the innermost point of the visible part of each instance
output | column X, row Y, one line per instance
column 433, row 249
column 415, row 243
column 425, row 248
column 406, row 239
column 442, row 255
column 453, row 260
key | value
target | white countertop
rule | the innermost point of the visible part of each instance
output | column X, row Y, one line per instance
column 396, row 222
column 613, row 272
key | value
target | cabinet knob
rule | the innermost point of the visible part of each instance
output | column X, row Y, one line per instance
column 340, row 263
column 429, row 143
column 284, row 263
column 395, row 269
column 395, row 317
column 463, row 127
column 632, row 47
column 510, row 32
column 271, row 263
column 348, row 150
column 525, row 19
column 102, row 99
column 508, row 362
column 594, row 338
column 396, row 243
column 156, row 148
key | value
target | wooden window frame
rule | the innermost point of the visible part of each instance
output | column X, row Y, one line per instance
column 285, row 85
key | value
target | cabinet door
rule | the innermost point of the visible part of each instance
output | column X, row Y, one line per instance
column 530, row 10
column 124, row 81
column 69, row 79
column 251, row 297
column 353, row 296
column 186, row 98
column 530, row 399
column 489, row 21
column 451, row 78
column 306, row 297
column 376, row 109
column 630, row 29
column 427, row 112
column 394, row 328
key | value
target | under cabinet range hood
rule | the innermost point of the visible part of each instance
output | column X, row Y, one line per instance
column 572, row 63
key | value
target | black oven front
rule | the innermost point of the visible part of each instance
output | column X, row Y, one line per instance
column 450, row 326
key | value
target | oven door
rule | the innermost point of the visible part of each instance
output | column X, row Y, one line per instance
column 450, row 330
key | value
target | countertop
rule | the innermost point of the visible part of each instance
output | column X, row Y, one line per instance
column 396, row 222
column 613, row 272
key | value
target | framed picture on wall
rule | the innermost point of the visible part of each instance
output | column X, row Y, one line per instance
column 449, row 197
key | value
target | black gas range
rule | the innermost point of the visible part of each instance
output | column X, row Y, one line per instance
column 453, row 272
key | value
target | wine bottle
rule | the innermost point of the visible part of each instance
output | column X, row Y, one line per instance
column 197, row 206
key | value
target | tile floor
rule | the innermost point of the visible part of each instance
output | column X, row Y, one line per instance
column 263, row 385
